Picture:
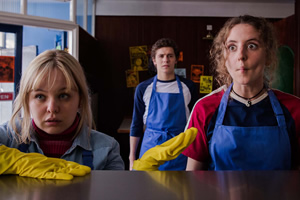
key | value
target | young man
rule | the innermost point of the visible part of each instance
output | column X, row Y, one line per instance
column 163, row 104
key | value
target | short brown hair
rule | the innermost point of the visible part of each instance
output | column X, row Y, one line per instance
column 164, row 42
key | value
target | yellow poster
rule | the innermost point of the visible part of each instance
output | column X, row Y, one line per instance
column 139, row 58
column 206, row 83
column 132, row 78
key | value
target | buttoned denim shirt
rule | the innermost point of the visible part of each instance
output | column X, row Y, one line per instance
column 105, row 149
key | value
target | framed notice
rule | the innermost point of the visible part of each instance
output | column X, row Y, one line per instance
column 196, row 72
column 206, row 83
column 180, row 72
column 7, row 68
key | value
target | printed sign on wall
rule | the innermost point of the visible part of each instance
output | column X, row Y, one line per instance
column 7, row 68
column 139, row 58
column 206, row 83
column 196, row 72
column 132, row 78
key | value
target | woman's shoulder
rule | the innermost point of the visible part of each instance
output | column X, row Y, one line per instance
column 101, row 140
column 106, row 151
column 7, row 135
column 286, row 97
column 291, row 102
column 212, row 99
column 205, row 107
column 3, row 126
column 4, row 132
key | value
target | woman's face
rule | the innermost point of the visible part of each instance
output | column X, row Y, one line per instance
column 54, row 109
column 245, row 55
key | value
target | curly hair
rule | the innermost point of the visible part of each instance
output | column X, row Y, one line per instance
column 267, row 36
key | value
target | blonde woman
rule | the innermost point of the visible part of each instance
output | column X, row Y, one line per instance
column 57, row 118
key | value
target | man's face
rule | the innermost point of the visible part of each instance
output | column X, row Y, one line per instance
column 165, row 61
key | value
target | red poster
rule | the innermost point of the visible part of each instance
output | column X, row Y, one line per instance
column 196, row 72
column 7, row 68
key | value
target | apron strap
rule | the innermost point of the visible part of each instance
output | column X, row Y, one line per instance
column 179, row 84
column 277, row 109
column 154, row 84
column 87, row 158
column 223, row 106
column 23, row 147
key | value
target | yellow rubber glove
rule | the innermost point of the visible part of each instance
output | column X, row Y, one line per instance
column 36, row 165
column 169, row 150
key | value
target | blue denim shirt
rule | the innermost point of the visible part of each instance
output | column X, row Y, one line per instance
column 105, row 149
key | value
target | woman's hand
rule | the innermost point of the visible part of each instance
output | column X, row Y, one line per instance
column 36, row 165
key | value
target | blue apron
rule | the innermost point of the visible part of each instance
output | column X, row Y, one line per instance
column 87, row 156
column 250, row 148
column 166, row 119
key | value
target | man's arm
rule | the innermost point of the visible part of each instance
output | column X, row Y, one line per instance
column 134, row 141
column 137, row 125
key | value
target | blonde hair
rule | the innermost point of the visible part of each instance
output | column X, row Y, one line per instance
column 39, row 70
column 267, row 36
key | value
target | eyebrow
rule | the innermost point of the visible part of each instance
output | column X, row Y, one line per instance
column 167, row 54
column 252, row 39
column 41, row 90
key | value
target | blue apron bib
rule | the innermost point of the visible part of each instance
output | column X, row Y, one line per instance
column 250, row 148
column 166, row 119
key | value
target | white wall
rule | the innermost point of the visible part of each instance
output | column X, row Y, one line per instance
column 192, row 8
